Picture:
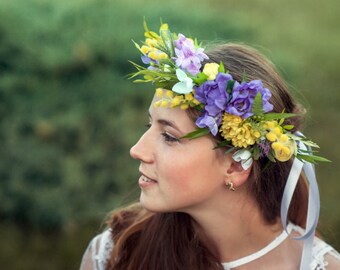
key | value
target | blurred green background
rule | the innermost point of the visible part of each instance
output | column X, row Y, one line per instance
column 68, row 114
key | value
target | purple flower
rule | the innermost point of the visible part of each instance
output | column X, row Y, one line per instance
column 188, row 57
column 243, row 96
column 265, row 148
column 214, row 94
column 212, row 122
column 148, row 61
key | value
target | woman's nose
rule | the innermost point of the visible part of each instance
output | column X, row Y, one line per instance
column 142, row 150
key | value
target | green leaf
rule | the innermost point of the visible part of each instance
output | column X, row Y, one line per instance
column 257, row 105
column 230, row 86
column 231, row 149
column 150, row 33
column 168, row 42
column 312, row 158
column 275, row 116
column 136, row 65
column 256, row 153
column 244, row 76
column 288, row 127
column 271, row 156
column 200, row 78
column 145, row 26
column 310, row 143
column 197, row 133
column 221, row 68
column 223, row 144
column 137, row 45
column 141, row 81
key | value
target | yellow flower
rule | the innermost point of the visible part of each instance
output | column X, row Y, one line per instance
column 284, row 138
column 164, row 103
column 271, row 136
column 151, row 42
column 283, row 146
column 184, row 106
column 164, row 26
column 257, row 134
column 189, row 97
column 283, row 150
column 274, row 130
column 277, row 131
column 211, row 70
column 145, row 49
column 157, row 55
column 157, row 104
column 159, row 92
column 195, row 102
column 167, row 98
column 269, row 124
column 169, row 93
column 153, row 38
column 175, row 101
column 238, row 131
column 163, row 55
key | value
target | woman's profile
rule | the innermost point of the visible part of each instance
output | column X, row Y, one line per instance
column 227, row 178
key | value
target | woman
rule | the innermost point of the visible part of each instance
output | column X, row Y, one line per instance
column 219, row 165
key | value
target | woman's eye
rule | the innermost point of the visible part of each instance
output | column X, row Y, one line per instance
column 169, row 138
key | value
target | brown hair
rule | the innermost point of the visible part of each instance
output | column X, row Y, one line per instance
column 169, row 241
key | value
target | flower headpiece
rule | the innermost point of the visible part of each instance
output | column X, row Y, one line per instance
column 240, row 111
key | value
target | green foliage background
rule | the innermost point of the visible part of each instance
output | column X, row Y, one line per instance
column 68, row 115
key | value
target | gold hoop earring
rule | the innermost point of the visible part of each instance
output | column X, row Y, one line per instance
column 230, row 185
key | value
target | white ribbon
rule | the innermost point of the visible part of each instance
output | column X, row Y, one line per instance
column 313, row 204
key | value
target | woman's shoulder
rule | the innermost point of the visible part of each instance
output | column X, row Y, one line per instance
column 325, row 257
column 98, row 252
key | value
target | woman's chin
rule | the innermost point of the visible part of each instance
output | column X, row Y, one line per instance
column 151, row 205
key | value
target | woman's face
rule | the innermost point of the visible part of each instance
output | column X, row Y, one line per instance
column 178, row 174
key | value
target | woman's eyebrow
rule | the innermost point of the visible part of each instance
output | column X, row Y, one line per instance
column 165, row 122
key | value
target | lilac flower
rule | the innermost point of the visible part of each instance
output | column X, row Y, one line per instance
column 243, row 96
column 214, row 94
column 148, row 61
column 188, row 57
column 181, row 41
column 212, row 122
column 265, row 148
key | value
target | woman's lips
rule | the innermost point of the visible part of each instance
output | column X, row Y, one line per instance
column 145, row 181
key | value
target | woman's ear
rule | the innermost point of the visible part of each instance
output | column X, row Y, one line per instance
column 236, row 174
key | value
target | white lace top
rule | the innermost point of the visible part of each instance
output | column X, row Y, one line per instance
column 99, row 249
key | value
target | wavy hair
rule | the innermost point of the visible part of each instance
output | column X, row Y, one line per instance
column 169, row 241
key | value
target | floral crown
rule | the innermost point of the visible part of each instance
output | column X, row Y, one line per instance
column 240, row 111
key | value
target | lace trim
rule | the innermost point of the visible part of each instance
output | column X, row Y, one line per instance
column 102, row 247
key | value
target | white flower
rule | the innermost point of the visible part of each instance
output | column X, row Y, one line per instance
column 244, row 156
column 185, row 84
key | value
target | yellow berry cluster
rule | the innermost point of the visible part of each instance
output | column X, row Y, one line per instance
column 153, row 41
column 283, row 146
column 150, row 50
column 167, row 98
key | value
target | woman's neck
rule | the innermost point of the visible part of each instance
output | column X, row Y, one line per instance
column 235, row 230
